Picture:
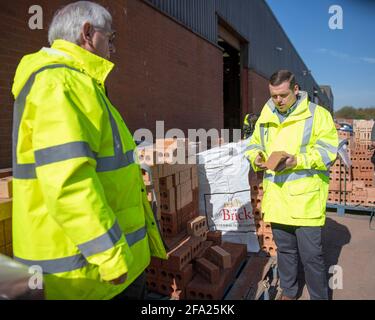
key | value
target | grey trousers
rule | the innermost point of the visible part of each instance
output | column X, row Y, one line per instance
column 137, row 290
column 304, row 242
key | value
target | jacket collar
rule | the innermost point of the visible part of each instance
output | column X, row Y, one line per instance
column 95, row 66
column 301, row 111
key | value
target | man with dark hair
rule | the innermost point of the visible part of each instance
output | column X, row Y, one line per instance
column 281, row 76
column 296, row 191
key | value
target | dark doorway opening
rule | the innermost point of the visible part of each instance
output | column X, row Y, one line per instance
column 231, row 86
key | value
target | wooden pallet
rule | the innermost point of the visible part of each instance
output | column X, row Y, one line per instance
column 252, row 281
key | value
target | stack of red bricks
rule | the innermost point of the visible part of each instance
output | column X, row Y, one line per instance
column 170, row 277
column 263, row 229
column 199, row 265
column 355, row 186
column 6, row 212
column 175, row 185
column 179, row 197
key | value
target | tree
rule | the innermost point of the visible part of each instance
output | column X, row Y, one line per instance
column 349, row 112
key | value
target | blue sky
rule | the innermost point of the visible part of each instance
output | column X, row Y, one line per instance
column 344, row 59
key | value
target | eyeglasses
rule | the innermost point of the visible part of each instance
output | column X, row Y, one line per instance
column 109, row 34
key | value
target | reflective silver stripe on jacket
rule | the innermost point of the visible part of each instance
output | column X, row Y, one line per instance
column 327, row 146
column 307, row 131
column 65, row 151
column 322, row 148
column 286, row 177
column 134, row 237
column 254, row 146
column 101, row 243
column 57, row 265
column 78, row 261
column 261, row 129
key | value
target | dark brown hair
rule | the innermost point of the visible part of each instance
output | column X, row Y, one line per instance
column 281, row 76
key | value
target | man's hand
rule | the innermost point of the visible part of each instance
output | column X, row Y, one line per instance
column 259, row 161
column 289, row 163
column 120, row 280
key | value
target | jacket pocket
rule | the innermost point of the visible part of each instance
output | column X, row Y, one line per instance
column 131, row 219
column 305, row 199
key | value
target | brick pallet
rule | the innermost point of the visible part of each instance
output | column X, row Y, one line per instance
column 358, row 189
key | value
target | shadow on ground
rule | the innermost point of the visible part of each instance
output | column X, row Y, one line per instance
column 334, row 237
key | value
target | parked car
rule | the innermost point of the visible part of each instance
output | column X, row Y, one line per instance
column 346, row 127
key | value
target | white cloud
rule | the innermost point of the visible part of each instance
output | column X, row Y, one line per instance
column 334, row 53
column 344, row 56
column 368, row 60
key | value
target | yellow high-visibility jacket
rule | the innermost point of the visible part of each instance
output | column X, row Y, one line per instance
column 80, row 209
column 296, row 196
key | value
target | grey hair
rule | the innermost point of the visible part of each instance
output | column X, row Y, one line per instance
column 67, row 22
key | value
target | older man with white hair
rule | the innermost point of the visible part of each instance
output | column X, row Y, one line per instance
column 80, row 210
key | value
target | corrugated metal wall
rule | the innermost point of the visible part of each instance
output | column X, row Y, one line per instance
column 198, row 15
column 255, row 22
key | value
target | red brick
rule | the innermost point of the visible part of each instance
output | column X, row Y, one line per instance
column 259, row 227
column 169, row 230
column 181, row 278
column 163, row 273
column 271, row 249
column 194, row 171
column 169, row 218
column 196, row 225
column 267, row 227
column 214, row 236
column 237, row 251
column 257, row 214
column 196, row 244
column 207, row 270
column 166, row 183
column 200, row 289
column 196, row 199
column 152, row 284
column 256, row 202
column 185, row 176
column 6, row 187
column 186, row 213
column 205, row 246
column 155, row 262
column 168, row 200
column 5, row 172
column 179, row 258
column 268, row 239
column 176, row 241
column 152, row 272
column 219, row 256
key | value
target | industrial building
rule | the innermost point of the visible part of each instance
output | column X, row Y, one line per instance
column 192, row 63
